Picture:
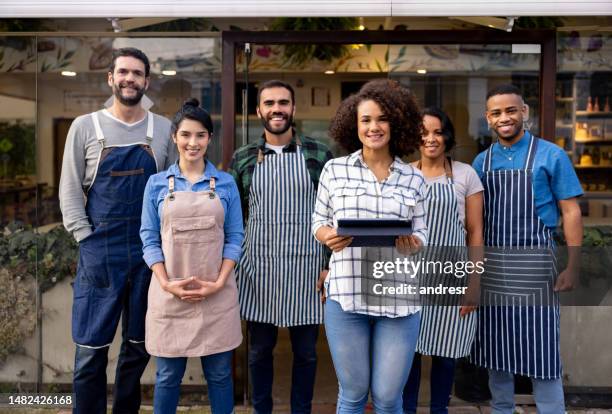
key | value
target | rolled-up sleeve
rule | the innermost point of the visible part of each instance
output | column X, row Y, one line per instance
column 233, row 228
column 150, row 227
column 323, row 212
column 419, row 222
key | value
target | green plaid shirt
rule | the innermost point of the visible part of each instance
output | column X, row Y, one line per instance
column 244, row 161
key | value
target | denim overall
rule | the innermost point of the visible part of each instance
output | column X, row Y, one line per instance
column 112, row 278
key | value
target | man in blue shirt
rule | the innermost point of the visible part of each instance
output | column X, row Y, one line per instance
column 527, row 182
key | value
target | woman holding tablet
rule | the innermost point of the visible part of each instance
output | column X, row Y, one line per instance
column 372, row 345
column 454, row 200
column 192, row 234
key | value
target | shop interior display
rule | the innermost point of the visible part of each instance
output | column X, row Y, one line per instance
column 584, row 129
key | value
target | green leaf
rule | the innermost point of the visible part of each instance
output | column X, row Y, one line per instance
column 402, row 52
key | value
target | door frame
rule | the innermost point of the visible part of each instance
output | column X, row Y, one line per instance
column 232, row 40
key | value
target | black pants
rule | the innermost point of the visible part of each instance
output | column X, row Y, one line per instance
column 262, row 341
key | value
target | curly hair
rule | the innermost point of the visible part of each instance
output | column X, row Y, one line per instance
column 396, row 102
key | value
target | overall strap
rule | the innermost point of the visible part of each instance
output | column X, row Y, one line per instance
column 98, row 128
column 149, row 127
column 171, row 187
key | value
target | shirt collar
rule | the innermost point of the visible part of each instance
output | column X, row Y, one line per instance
column 521, row 144
column 209, row 171
column 356, row 158
column 291, row 147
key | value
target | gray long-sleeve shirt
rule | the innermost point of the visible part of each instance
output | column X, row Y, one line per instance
column 81, row 156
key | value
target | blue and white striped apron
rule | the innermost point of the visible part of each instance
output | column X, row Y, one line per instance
column 443, row 332
column 514, row 334
column 280, row 266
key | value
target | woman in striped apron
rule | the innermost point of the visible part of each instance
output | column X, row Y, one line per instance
column 518, row 326
column 454, row 205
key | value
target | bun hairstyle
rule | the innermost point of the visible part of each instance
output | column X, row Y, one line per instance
column 191, row 109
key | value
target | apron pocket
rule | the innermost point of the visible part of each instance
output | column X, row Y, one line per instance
column 127, row 187
column 172, row 307
column 92, row 268
column 201, row 229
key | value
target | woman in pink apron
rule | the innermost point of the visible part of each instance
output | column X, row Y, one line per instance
column 192, row 234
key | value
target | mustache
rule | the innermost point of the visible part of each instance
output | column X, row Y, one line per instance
column 275, row 114
column 129, row 85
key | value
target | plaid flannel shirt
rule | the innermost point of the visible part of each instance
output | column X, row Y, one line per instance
column 245, row 159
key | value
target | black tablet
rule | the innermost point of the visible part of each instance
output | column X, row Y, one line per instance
column 373, row 232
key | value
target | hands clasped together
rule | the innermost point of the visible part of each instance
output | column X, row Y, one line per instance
column 192, row 289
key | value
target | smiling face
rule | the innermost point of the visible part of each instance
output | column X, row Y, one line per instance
column 505, row 115
column 373, row 126
column 128, row 80
column 191, row 139
column 276, row 110
column 432, row 144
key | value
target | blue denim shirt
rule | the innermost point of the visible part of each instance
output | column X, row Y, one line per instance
column 153, row 202
column 554, row 177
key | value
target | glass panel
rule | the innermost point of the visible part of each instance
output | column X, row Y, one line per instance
column 73, row 81
column 319, row 84
column 19, row 347
column 584, row 119
column 456, row 78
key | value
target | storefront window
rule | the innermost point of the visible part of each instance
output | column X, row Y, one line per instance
column 19, row 190
column 454, row 77
column 584, row 118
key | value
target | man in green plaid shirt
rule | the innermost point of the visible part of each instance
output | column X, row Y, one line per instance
column 282, row 263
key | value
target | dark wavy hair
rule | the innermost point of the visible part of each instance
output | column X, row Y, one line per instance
column 191, row 109
column 396, row 102
column 131, row 52
column 448, row 130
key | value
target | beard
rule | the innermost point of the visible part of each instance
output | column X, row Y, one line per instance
column 509, row 137
column 277, row 131
column 125, row 100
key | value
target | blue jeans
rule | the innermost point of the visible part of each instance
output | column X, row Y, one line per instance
column 370, row 352
column 441, row 384
column 217, row 371
column 262, row 340
column 548, row 393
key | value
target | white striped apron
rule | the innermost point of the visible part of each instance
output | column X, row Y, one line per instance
column 443, row 332
column 514, row 335
column 279, row 268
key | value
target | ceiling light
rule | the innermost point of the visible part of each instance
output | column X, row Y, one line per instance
column 329, row 72
column 422, row 71
column 361, row 27
column 168, row 72
column 68, row 73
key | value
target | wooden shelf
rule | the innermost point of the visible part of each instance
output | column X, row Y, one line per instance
column 597, row 194
column 600, row 114
column 593, row 141
column 564, row 99
column 591, row 167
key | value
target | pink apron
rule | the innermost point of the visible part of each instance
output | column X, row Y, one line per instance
column 192, row 242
